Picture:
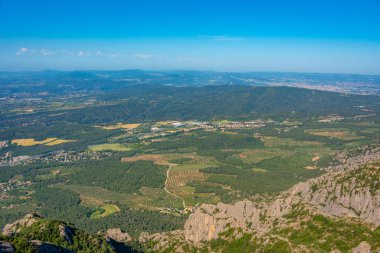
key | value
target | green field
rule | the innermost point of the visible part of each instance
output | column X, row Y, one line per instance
column 105, row 211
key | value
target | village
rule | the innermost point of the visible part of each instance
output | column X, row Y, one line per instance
column 132, row 133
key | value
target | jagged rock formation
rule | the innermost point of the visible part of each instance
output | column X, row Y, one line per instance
column 208, row 221
column 14, row 228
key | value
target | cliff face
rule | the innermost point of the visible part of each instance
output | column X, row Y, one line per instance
column 208, row 221
column 350, row 189
column 354, row 193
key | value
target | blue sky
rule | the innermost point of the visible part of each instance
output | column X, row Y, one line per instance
column 242, row 35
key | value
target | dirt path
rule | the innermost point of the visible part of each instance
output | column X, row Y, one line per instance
column 173, row 194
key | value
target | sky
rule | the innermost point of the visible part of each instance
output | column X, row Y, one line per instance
column 326, row 36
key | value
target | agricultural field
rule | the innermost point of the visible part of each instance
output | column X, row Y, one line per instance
column 340, row 134
column 120, row 126
column 145, row 199
column 256, row 156
column 33, row 142
column 180, row 176
column 109, row 147
column 157, row 159
column 273, row 141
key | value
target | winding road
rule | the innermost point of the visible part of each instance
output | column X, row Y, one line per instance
column 166, row 189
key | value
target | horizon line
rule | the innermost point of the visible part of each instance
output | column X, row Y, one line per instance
column 188, row 70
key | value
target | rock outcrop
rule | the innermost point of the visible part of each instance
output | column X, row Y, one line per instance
column 118, row 235
column 14, row 228
column 67, row 233
column 363, row 247
column 353, row 193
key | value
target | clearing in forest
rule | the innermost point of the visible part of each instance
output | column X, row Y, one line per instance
column 105, row 211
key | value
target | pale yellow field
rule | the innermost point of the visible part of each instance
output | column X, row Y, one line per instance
column 57, row 142
column 157, row 159
column 120, row 126
column 33, row 142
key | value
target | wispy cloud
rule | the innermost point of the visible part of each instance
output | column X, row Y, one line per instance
column 23, row 50
column 63, row 52
column 46, row 52
column 114, row 55
column 83, row 53
column 148, row 56
column 98, row 53
column 143, row 56
column 35, row 52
